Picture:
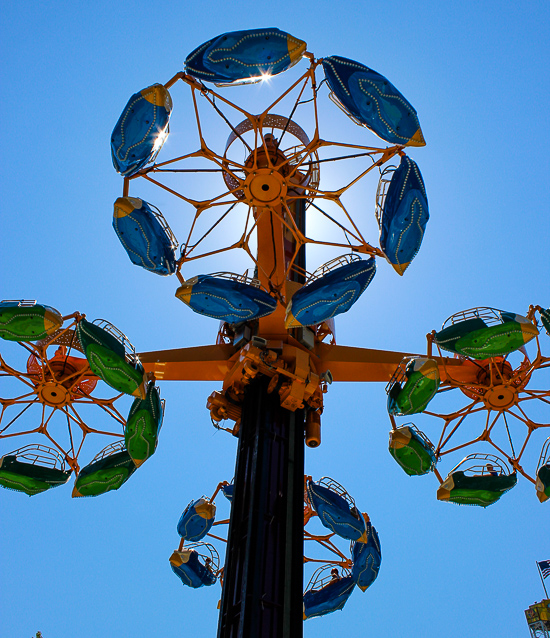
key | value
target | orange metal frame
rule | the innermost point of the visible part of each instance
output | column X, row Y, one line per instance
column 58, row 386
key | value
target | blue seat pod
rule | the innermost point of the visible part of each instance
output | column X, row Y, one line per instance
column 331, row 294
column 366, row 559
column 141, row 129
column 196, row 520
column 332, row 597
column 188, row 568
column 336, row 513
column 22, row 320
column 145, row 235
column 228, row 491
column 226, row 299
column 244, row 56
column 371, row 100
column 404, row 215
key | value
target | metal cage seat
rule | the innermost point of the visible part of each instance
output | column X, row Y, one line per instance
column 112, row 357
column 336, row 509
column 141, row 129
column 402, row 214
column 367, row 558
column 483, row 479
column 328, row 590
column 196, row 565
column 372, row 101
column 226, row 296
column 109, row 470
column 413, row 385
column 244, row 57
column 542, row 483
column 145, row 235
column 143, row 425
column 197, row 519
column 412, row 450
column 545, row 319
column 33, row 469
column 26, row 320
column 332, row 290
column 481, row 333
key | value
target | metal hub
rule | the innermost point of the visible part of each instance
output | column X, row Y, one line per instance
column 53, row 394
column 500, row 397
column 264, row 186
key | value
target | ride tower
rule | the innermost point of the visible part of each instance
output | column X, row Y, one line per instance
column 276, row 353
column 538, row 619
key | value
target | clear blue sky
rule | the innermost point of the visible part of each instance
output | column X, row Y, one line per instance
column 477, row 73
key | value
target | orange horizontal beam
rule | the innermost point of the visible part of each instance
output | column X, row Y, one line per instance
column 200, row 363
column 346, row 363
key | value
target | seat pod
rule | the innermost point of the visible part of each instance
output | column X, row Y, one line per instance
column 542, row 484
column 29, row 478
column 225, row 299
column 27, row 320
column 335, row 513
column 366, row 559
column 141, row 129
column 107, row 358
column 475, row 337
column 475, row 490
column 412, row 451
column 143, row 426
column 228, row 491
column 332, row 597
column 188, row 568
column 330, row 294
column 196, row 520
column 545, row 318
column 371, row 100
column 145, row 235
column 244, row 56
column 106, row 474
column 420, row 385
column 404, row 215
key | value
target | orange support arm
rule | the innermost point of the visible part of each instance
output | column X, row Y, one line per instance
column 346, row 363
column 201, row 363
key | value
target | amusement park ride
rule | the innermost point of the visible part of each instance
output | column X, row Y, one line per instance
column 275, row 354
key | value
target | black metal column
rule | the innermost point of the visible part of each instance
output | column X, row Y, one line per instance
column 263, row 578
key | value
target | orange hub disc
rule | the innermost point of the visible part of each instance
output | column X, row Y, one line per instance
column 500, row 397
column 53, row 393
column 264, row 186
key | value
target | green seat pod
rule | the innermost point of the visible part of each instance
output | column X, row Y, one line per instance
column 482, row 333
column 32, row 470
column 412, row 450
column 143, row 425
column 542, row 484
column 410, row 393
column 478, row 482
column 27, row 320
column 107, row 357
column 109, row 470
